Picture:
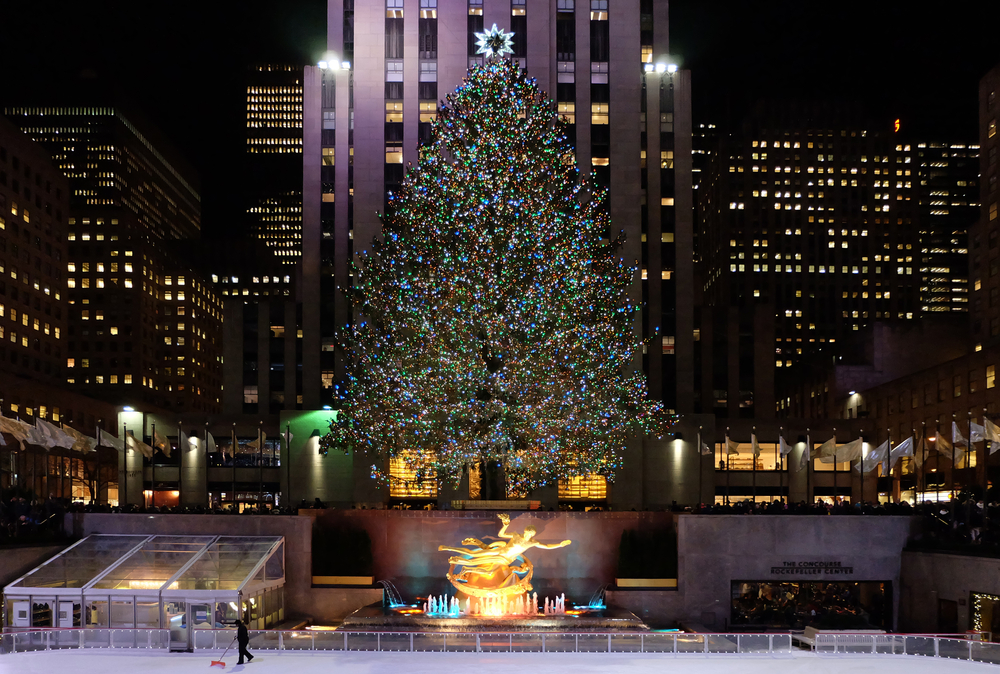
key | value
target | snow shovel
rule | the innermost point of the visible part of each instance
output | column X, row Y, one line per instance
column 219, row 662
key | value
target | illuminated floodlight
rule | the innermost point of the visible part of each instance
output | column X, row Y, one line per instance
column 327, row 407
column 661, row 67
column 323, row 65
column 346, row 65
column 648, row 67
column 128, row 408
column 851, row 393
column 672, row 68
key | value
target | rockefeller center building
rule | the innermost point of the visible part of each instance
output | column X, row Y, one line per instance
column 390, row 65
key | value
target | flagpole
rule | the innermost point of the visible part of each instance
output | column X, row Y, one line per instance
column 236, row 506
column 986, row 474
column 780, row 461
column 701, row 466
column 953, row 452
column 728, row 462
column 125, row 453
column 180, row 468
column 809, row 499
column 286, row 456
column 922, row 468
column 835, row 466
column 260, row 467
column 753, row 457
column 861, row 501
column 892, row 480
column 152, row 462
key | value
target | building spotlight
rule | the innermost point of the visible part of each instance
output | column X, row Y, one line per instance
column 128, row 408
column 672, row 68
column 327, row 407
column 346, row 65
column 851, row 393
column 648, row 68
column 323, row 65
column 661, row 67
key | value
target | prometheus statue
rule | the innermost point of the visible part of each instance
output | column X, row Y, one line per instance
column 495, row 569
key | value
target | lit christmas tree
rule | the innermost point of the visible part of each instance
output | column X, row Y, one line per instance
column 495, row 323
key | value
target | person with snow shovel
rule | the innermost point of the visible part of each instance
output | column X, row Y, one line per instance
column 243, row 638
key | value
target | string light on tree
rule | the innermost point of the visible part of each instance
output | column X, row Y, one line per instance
column 496, row 326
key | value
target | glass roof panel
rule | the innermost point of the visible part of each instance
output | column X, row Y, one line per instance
column 80, row 564
column 154, row 563
column 226, row 564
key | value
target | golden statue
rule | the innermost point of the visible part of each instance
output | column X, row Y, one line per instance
column 496, row 569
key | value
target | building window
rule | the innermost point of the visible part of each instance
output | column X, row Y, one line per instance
column 409, row 479
column 583, row 488
column 328, row 156
column 991, row 376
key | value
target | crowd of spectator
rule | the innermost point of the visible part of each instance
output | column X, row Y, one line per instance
column 23, row 521
column 777, row 507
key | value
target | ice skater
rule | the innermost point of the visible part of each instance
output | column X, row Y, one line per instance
column 243, row 638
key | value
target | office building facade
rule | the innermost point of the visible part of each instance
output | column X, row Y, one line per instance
column 142, row 326
column 273, row 184
column 808, row 233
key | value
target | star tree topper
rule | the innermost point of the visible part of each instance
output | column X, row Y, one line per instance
column 495, row 41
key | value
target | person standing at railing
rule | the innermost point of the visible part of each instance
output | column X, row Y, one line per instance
column 243, row 638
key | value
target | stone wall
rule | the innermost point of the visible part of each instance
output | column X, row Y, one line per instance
column 715, row 550
column 405, row 545
column 18, row 561
column 931, row 577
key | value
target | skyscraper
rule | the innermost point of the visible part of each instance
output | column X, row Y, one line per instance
column 141, row 326
column 273, row 185
column 608, row 70
column 949, row 205
column 808, row 234
column 985, row 234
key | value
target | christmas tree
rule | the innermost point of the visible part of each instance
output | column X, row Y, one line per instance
column 494, row 320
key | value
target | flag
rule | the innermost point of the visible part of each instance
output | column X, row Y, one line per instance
column 81, row 442
column 209, row 443
column 705, row 449
column 827, row 449
column 874, row 458
column 234, row 444
column 105, row 438
column 977, row 433
column 806, row 455
column 139, row 446
column 732, row 447
column 905, row 448
column 783, row 447
column 992, row 434
column 850, row 451
column 258, row 442
column 753, row 444
column 957, row 439
column 161, row 443
column 3, row 443
column 941, row 444
column 37, row 436
column 54, row 436
column 184, row 442
column 919, row 451
column 15, row 427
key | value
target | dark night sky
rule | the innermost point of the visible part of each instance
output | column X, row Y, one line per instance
column 183, row 61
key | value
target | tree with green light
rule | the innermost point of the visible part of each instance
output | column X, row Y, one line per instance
column 494, row 325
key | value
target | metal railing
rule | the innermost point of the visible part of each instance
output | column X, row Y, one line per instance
column 674, row 643
column 910, row 644
column 21, row 641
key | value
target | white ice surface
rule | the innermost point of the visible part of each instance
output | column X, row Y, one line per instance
column 118, row 662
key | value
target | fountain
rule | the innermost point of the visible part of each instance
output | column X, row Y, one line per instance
column 493, row 584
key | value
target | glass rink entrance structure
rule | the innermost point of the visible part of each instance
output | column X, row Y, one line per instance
column 183, row 583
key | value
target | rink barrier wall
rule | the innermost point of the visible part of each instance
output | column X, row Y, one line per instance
column 24, row 640
column 675, row 643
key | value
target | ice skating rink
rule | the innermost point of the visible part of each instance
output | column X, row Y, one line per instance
column 111, row 662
